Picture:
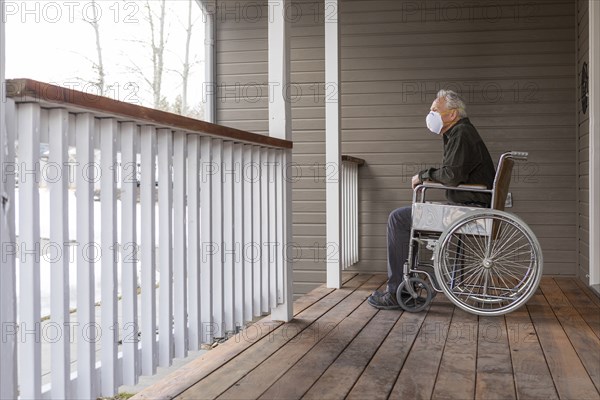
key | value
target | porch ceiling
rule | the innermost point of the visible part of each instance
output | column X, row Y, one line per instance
column 339, row 347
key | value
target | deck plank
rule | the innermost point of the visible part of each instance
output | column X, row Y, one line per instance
column 378, row 378
column 580, row 334
column 298, row 379
column 585, row 289
column 582, row 301
column 306, row 328
column 531, row 374
column 338, row 347
column 568, row 373
column 494, row 365
column 186, row 376
column 417, row 376
column 339, row 378
column 456, row 377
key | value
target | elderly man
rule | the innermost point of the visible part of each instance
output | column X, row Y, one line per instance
column 466, row 160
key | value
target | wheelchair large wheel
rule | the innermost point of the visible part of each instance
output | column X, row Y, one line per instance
column 488, row 262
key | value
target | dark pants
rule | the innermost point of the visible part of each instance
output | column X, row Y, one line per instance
column 398, row 236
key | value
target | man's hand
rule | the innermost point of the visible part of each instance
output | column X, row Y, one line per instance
column 416, row 181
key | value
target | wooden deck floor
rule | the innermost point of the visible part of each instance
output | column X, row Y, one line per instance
column 339, row 347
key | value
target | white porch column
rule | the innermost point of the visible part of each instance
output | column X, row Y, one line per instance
column 280, row 126
column 8, row 307
column 333, row 158
column 594, row 71
column 209, row 9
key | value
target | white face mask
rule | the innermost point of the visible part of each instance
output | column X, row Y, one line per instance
column 434, row 122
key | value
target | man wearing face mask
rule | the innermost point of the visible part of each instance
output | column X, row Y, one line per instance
column 466, row 160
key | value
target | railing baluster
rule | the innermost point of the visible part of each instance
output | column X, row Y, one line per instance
column 30, row 367
column 349, row 225
column 247, row 244
column 346, row 216
column 346, row 243
column 8, row 279
column 86, row 339
column 285, row 311
column 217, row 237
column 206, row 218
column 257, row 231
column 349, row 203
column 238, row 239
column 148, row 248
column 222, row 221
column 264, row 224
column 72, row 157
column 349, row 215
column 165, row 249
column 179, row 242
column 129, row 252
column 351, row 206
column 355, row 213
column 59, row 236
column 280, row 241
column 272, row 242
column 346, row 248
column 109, row 308
column 343, row 220
column 193, row 248
column 228, row 249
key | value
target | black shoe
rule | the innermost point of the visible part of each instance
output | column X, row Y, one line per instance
column 377, row 293
column 383, row 301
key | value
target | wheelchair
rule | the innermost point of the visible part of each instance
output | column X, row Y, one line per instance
column 485, row 260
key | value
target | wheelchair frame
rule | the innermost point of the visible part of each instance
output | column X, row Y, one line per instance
column 485, row 260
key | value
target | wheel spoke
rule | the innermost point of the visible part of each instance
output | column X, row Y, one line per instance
column 488, row 274
column 514, row 250
column 501, row 238
column 507, row 241
column 479, row 245
column 468, row 247
column 513, row 264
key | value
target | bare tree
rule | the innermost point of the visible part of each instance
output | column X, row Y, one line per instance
column 99, row 65
column 157, row 45
column 185, row 75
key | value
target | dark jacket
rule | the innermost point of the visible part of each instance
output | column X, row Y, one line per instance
column 466, row 161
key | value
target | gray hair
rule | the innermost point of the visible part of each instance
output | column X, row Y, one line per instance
column 453, row 101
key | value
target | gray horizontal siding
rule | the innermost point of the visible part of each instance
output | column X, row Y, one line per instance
column 242, row 69
column 513, row 63
column 583, row 146
column 515, row 69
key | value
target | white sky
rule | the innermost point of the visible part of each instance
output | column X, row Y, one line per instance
column 49, row 41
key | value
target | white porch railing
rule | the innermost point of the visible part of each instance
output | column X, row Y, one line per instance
column 137, row 234
column 349, row 205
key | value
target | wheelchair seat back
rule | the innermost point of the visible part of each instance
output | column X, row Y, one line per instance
column 502, row 182
column 436, row 217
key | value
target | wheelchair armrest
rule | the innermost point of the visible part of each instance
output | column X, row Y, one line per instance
column 462, row 188
column 420, row 189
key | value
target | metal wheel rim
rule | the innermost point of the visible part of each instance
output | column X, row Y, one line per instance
column 498, row 275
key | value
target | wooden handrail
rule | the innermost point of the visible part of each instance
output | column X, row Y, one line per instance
column 28, row 90
column 355, row 160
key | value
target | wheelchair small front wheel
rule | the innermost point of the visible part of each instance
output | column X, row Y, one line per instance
column 418, row 298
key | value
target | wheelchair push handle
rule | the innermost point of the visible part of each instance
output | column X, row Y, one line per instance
column 519, row 155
